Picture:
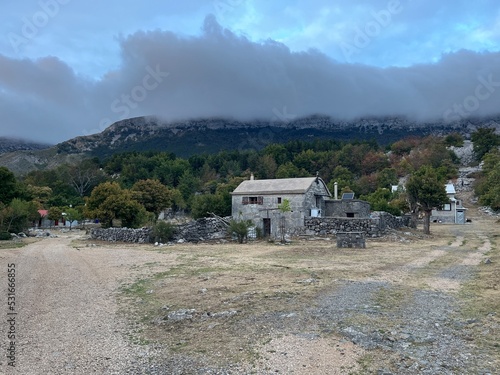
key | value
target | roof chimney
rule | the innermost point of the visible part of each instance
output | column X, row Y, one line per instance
column 252, row 177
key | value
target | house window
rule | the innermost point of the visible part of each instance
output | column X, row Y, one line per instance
column 279, row 200
column 252, row 200
column 446, row 207
column 350, row 214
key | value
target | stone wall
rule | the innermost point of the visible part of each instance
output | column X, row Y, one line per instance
column 343, row 207
column 375, row 226
column 324, row 226
column 201, row 230
column 194, row 231
column 386, row 220
column 351, row 239
column 121, row 235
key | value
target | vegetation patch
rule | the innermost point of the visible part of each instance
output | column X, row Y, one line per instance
column 481, row 306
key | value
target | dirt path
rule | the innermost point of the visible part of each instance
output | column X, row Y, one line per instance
column 66, row 319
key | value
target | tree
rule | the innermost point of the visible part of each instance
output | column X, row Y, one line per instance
column 204, row 204
column 284, row 207
column 487, row 187
column 188, row 185
column 8, row 186
column 387, row 177
column 454, row 139
column 342, row 176
column 17, row 215
column 380, row 200
column 290, row 170
column 484, row 140
column 108, row 201
column 72, row 214
column 55, row 213
column 41, row 194
column 153, row 195
column 240, row 228
column 84, row 176
column 428, row 191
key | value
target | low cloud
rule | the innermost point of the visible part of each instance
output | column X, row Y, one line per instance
column 220, row 73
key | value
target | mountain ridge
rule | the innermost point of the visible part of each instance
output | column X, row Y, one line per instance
column 209, row 135
column 15, row 144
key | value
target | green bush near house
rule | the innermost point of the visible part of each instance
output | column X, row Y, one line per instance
column 5, row 236
column 163, row 231
column 240, row 229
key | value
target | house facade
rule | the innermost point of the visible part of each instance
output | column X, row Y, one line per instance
column 452, row 212
column 353, row 208
column 259, row 200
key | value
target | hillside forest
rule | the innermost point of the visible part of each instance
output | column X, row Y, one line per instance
column 135, row 187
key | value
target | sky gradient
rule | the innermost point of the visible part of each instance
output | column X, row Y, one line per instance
column 70, row 68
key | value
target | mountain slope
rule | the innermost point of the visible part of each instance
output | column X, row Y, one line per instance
column 11, row 145
column 212, row 135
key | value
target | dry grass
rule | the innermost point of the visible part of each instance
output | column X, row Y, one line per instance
column 16, row 244
column 247, row 283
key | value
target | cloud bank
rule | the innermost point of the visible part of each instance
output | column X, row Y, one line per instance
column 220, row 73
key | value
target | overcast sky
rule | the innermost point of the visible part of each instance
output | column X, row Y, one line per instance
column 73, row 67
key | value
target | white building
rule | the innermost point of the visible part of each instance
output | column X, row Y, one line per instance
column 452, row 212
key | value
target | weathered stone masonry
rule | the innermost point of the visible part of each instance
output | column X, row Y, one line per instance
column 213, row 229
column 194, row 231
column 121, row 235
column 375, row 226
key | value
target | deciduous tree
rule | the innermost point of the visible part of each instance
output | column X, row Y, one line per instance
column 8, row 185
column 428, row 191
column 108, row 201
column 484, row 140
column 153, row 195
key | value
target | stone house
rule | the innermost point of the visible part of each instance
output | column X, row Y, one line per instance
column 353, row 208
column 258, row 200
column 452, row 212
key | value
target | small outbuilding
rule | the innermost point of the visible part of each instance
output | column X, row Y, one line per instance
column 452, row 212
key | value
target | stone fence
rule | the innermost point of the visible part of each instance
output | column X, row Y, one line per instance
column 193, row 231
column 142, row 235
column 201, row 230
column 206, row 229
column 375, row 226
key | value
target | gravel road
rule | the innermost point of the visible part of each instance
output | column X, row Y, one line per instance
column 66, row 320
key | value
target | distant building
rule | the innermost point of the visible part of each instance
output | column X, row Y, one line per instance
column 43, row 221
column 452, row 212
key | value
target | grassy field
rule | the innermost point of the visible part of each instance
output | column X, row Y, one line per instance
column 228, row 301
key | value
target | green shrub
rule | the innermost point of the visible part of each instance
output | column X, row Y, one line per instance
column 163, row 231
column 5, row 236
column 240, row 229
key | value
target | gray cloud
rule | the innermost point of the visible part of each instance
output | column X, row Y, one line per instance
column 220, row 73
